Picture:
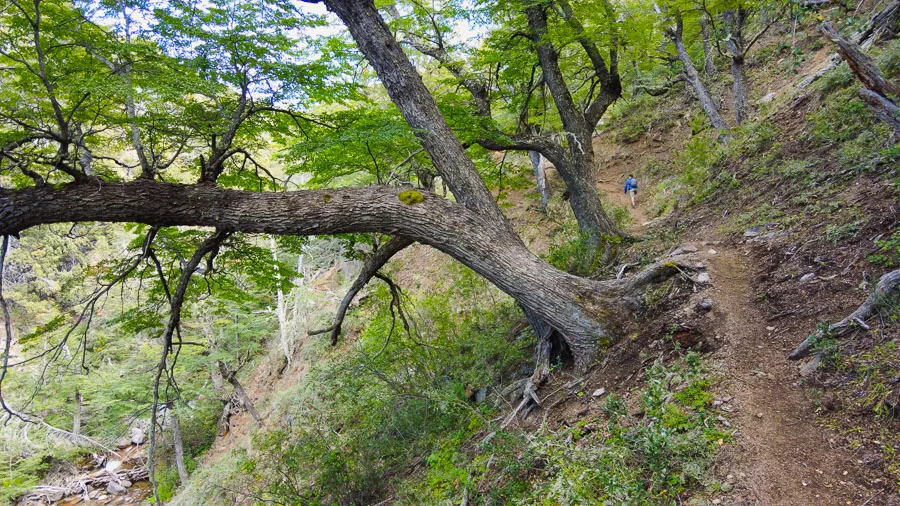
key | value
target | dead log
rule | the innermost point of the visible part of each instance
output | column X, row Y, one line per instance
column 231, row 377
column 882, row 26
column 884, row 290
column 883, row 109
column 862, row 65
column 877, row 87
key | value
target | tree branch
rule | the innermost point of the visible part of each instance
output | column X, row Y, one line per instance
column 369, row 269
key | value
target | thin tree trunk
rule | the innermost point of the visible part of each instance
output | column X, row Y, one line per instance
column 708, row 65
column 370, row 267
column 734, row 20
column 537, row 163
column 179, row 446
column 279, row 300
column 690, row 72
column 76, row 418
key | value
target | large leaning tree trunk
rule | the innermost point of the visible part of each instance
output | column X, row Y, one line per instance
column 676, row 35
column 584, row 311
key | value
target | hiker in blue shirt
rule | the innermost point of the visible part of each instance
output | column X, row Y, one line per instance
column 631, row 187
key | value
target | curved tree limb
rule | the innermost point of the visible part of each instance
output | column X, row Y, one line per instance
column 887, row 285
column 369, row 269
column 576, row 307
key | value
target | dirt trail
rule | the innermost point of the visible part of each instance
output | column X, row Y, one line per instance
column 780, row 455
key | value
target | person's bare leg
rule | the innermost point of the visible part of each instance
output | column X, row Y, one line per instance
column 632, row 198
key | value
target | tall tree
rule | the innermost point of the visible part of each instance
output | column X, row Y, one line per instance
column 531, row 31
column 222, row 195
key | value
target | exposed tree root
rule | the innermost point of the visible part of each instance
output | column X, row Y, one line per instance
column 369, row 269
column 882, row 293
column 626, row 292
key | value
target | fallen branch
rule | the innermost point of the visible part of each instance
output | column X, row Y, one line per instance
column 888, row 284
column 97, row 479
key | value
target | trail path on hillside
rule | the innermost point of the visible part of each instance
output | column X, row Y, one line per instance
column 779, row 454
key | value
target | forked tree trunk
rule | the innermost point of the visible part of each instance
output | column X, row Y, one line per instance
column 576, row 167
column 231, row 377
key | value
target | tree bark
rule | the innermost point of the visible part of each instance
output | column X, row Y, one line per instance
column 76, row 418
column 708, row 65
column 405, row 88
column 883, row 109
column 543, row 186
column 877, row 88
column 582, row 310
column 734, row 21
column 690, row 71
column 862, row 65
column 179, row 446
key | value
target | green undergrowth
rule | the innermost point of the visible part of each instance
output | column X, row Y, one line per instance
column 653, row 445
column 369, row 413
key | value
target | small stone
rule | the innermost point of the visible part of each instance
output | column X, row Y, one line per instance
column 754, row 231
column 717, row 501
column 810, row 367
column 726, row 487
column 703, row 277
column 808, row 277
column 770, row 329
column 759, row 415
column 599, row 392
column 115, row 489
column 766, row 99
column 126, row 484
column 704, row 304
column 481, row 395
column 682, row 249
column 712, row 252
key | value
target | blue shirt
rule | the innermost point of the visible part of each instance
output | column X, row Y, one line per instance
column 630, row 184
